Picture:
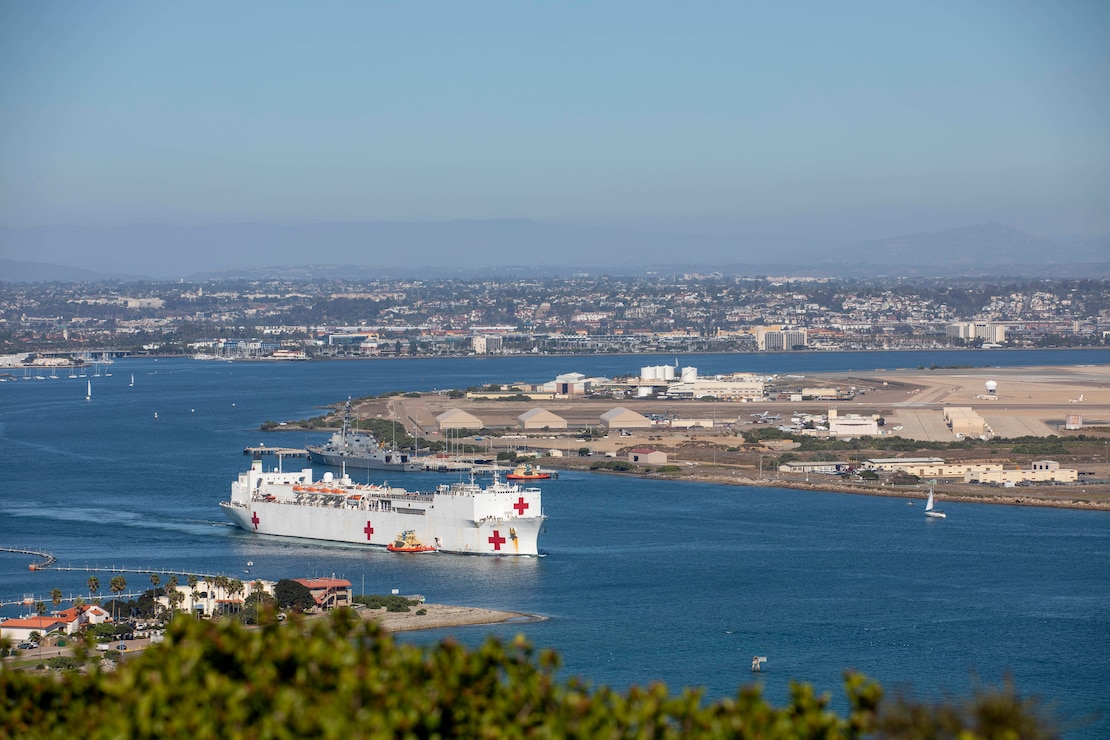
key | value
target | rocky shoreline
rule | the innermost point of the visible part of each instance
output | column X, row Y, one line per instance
column 1093, row 497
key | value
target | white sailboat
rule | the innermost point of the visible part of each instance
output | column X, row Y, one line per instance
column 88, row 393
column 929, row 510
column 132, row 380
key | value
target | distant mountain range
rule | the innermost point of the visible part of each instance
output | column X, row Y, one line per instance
column 519, row 248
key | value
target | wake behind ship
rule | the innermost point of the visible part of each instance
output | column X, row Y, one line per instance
column 499, row 519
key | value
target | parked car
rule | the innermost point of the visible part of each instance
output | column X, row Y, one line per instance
column 28, row 645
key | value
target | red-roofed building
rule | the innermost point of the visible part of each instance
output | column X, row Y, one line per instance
column 19, row 630
column 646, row 455
column 77, row 617
column 328, row 592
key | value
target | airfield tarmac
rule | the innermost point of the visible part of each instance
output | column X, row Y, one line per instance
column 1029, row 401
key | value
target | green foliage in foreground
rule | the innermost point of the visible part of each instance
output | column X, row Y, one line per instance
column 342, row 678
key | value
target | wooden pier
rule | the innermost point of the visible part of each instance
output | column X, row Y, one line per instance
column 45, row 558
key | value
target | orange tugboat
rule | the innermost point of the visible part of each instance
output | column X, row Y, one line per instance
column 527, row 472
column 407, row 542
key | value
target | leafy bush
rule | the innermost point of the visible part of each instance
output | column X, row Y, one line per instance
column 669, row 469
column 338, row 677
column 391, row 603
column 622, row 466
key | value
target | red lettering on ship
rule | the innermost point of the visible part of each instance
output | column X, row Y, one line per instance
column 254, row 520
column 497, row 540
column 520, row 506
column 369, row 530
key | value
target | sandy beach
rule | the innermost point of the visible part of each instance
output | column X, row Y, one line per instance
column 440, row 616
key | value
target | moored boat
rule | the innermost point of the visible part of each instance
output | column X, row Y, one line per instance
column 527, row 472
column 354, row 449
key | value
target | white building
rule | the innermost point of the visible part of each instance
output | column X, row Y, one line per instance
column 852, row 425
column 778, row 339
column 484, row 344
column 988, row 331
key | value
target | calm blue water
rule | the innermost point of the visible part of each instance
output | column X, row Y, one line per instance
column 642, row 580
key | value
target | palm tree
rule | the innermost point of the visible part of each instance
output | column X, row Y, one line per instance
column 155, row 580
column 118, row 586
column 94, row 586
column 56, row 597
column 176, row 598
column 221, row 582
column 171, row 595
column 37, row 638
column 40, row 608
column 192, row 581
column 236, row 587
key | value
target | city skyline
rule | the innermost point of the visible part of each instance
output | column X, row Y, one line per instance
column 843, row 123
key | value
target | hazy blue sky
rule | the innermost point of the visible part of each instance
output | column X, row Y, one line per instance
column 848, row 119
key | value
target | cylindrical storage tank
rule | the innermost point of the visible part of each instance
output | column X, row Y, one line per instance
column 645, row 373
column 668, row 372
column 689, row 374
column 644, row 391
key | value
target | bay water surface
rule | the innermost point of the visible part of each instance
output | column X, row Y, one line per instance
column 641, row 580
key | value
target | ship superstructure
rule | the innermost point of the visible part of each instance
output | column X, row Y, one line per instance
column 498, row 519
column 354, row 449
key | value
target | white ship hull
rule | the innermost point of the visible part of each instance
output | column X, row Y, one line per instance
column 499, row 519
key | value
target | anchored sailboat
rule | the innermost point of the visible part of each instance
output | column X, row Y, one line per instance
column 929, row 510
column 88, row 392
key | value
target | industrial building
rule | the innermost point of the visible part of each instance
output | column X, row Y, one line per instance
column 643, row 455
column 935, row 468
column 540, row 419
column 852, row 425
column 622, row 418
column 457, row 419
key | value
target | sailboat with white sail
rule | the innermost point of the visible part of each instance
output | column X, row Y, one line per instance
column 88, row 392
column 929, row 510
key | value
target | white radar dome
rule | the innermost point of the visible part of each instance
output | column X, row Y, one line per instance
column 992, row 386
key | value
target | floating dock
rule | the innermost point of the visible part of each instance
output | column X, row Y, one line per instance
column 278, row 451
